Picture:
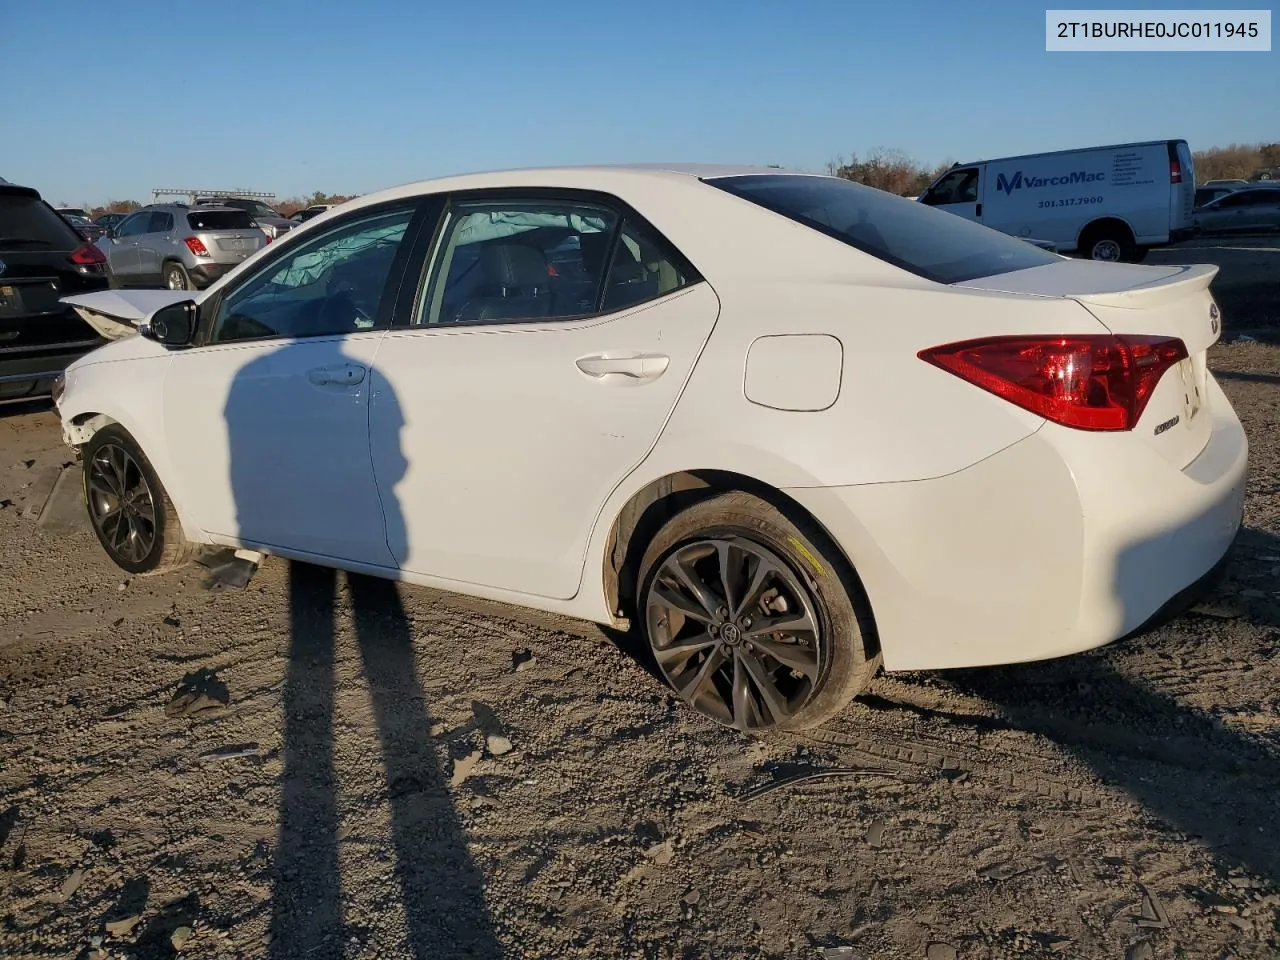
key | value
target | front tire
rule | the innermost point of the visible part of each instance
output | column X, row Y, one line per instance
column 128, row 507
column 748, row 617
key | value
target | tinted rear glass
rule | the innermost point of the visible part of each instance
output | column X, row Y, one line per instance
column 220, row 220
column 930, row 243
column 28, row 224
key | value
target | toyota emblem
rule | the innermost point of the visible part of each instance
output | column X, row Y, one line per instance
column 3, row 265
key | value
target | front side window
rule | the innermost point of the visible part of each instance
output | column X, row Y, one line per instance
column 333, row 284
column 134, row 225
column 959, row 186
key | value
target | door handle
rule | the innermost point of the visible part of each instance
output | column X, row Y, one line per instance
column 642, row 366
column 340, row 375
column 977, row 210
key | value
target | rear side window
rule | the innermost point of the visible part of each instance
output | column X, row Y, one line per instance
column 933, row 244
column 220, row 220
column 29, row 224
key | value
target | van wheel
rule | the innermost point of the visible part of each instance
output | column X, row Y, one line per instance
column 1110, row 243
column 749, row 619
column 176, row 277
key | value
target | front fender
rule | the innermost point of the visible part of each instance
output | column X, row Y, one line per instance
column 128, row 391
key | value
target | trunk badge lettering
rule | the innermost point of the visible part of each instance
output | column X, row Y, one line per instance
column 1213, row 318
column 1167, row 425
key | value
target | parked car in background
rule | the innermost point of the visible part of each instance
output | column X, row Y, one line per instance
column 42, row 259
column 72, row 211
column 1104, row 203
column 774, row 487
column 109, row 220
column 85, row 227
column 1251, row 210
column 1230, row 183
column 1207, row 193
column 271, row 222
column 179, row 247
column 302, row 216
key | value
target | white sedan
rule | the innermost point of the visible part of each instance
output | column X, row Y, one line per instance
column 786, row 427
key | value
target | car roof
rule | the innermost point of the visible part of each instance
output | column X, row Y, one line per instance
column 8, row 189
column 601, row 177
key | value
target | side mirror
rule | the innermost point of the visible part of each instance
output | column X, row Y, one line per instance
column 174, row 325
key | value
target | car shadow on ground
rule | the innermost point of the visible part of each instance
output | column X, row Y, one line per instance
column 440, row 890
column 1196, row 775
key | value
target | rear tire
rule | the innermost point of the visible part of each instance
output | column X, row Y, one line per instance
column 1108, row 243
column 128, row 507
column 715, row 577
column 176, row 277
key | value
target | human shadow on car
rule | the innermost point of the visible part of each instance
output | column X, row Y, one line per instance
column 1197, row 775
column 439, row 887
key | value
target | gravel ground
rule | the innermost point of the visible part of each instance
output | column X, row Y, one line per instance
column 328, row 766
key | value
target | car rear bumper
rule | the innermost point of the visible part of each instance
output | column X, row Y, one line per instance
column 206, row 273
column 1037, row 552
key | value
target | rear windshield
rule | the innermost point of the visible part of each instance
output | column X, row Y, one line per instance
column 220, row 220
column 930, row 243
column 29, row 224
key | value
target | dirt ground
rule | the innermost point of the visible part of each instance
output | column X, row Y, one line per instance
column 319, row 766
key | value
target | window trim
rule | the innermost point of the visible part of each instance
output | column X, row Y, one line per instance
column 421, row 211
column 428, row 249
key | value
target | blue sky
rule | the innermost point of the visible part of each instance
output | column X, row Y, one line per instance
column 292, row 97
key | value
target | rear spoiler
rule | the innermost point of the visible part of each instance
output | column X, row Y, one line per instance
column 1196, row 276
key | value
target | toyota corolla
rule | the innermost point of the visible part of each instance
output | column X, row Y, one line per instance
column 786, row 427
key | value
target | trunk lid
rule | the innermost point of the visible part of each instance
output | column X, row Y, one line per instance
column 1172, row 301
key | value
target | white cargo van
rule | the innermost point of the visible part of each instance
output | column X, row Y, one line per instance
column 1104, row 203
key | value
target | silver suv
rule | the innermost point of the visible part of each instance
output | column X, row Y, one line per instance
column 272, row 224
column 179, row 247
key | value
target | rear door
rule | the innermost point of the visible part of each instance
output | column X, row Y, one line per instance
column 1182, row 195
column 517, row 389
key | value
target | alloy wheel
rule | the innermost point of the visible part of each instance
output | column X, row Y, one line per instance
column 735, row 632
column 121, row 504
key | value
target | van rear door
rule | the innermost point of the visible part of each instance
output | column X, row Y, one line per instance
column 1182, row 186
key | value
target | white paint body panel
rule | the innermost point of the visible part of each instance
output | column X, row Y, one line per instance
column 982, row 533
column 501, row 416
column 799, row 372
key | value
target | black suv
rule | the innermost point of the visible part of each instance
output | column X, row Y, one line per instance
column 41, row 260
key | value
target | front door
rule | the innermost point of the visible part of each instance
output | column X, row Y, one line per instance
column 534, row 372
column 122, row 248
column 957, row 192
column 268, row 419
column 150, row 252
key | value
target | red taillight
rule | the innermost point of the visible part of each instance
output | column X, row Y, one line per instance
column 196, row 247
column 86, row 255
column 1175, row 171
column 1090, row 382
